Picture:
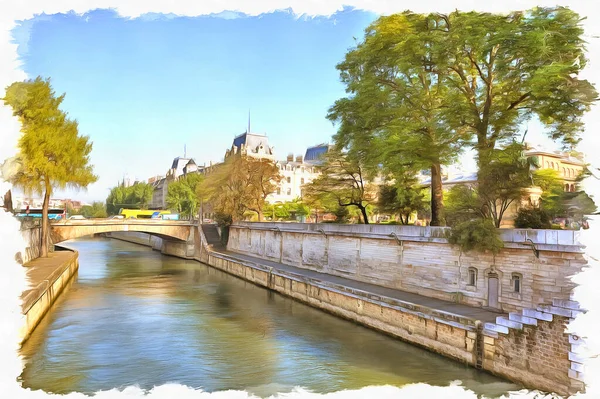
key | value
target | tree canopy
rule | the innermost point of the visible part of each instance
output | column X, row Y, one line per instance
column 421, row 87
column 51, row 154
column 343, row 179
column 181, row 195
column 238, row 185
column 136, row 196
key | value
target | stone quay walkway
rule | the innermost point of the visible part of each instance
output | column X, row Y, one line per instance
column 42, row 272
column 466, row 311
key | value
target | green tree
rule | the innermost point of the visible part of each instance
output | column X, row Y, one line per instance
column 403, row 199
column 397, row 102
column 136, row 196
column 52, row 154
column 553, row 192
column 503, row 181
column 343, row 178
column 182, row 197
column 238, row 185
column 264, row 177
column 96, row 210
column 504, row 70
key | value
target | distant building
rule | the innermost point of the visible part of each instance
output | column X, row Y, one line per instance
column 568, row 168
column 252, row 145
column 314, row 155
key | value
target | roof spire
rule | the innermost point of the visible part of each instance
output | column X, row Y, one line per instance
column 248, row 131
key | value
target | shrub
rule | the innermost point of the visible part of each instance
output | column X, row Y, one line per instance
column 479, row 235
column 532, row 218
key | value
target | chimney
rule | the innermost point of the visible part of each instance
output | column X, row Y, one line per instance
column 290, row 158
column 299, row 158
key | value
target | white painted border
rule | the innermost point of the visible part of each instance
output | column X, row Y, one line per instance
column 12, row 278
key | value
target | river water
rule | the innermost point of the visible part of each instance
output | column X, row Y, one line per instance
column 135, row 317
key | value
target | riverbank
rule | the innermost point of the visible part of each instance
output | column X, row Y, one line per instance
column 48, row 277
column 529, row 347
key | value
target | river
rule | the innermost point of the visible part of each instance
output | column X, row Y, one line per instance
column 135, row 317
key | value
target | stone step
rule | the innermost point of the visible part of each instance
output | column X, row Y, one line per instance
column 522, row 319
column 555, row 310
column 537, row 314
column 503, row 321
column 496, row 328
column 562, row 303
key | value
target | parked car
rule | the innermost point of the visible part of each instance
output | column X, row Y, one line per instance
column 117, row 217
column 77, row 217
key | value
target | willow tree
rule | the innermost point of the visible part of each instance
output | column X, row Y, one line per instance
column 504, row 70
column 394, row 114
column 52, row 154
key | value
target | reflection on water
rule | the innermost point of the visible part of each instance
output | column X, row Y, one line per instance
column 136, row 317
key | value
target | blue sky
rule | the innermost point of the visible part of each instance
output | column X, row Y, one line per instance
column 142, row 88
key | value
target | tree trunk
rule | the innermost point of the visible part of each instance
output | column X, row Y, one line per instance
column 363, row 210
column 44, row 243
column 437, row 197
column 8, row 201
column 260, row 215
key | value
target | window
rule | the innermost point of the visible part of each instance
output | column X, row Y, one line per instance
column 278, row 191
column 302, row 180
column 516, row 282
column 472, row 276
column 289, row 179
column 289, row 191
column 564, row 172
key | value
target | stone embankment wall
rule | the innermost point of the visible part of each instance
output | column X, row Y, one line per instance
column 420, row 260
column 40, row 298
column 529, row 346
column 31, row 231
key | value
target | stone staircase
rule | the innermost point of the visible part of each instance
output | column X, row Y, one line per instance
column 544, row 313
column 212, row 236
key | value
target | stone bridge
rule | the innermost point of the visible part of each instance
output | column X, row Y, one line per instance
column 182, row 231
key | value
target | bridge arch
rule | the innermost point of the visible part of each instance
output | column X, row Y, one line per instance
column 181, row 231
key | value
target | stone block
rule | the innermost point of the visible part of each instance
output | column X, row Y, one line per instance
column 522, row 319
column 565, row 237
column 577, row 367
column 576, row 339
column 575, row 357
column 576, row 375
column 537, row 314
column 555, row 311
column 502, row 321
column 489, row 337
column 552, row 237
column 563, row 303
column 496, row 328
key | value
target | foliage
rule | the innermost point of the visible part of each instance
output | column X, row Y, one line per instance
column 553, row 193
column 397, row 102
column 532, row 218
column 462, row 205
column 136, row 196
column 343, row 179
column 403, row 198
column 52, row 154
column 96, row 210
column 478, row 234
column 503, row 180
column 240, row 184
column 506, row 69
column 286, row 211
column 558, row 203
column 579, row 204
column 182, row 197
